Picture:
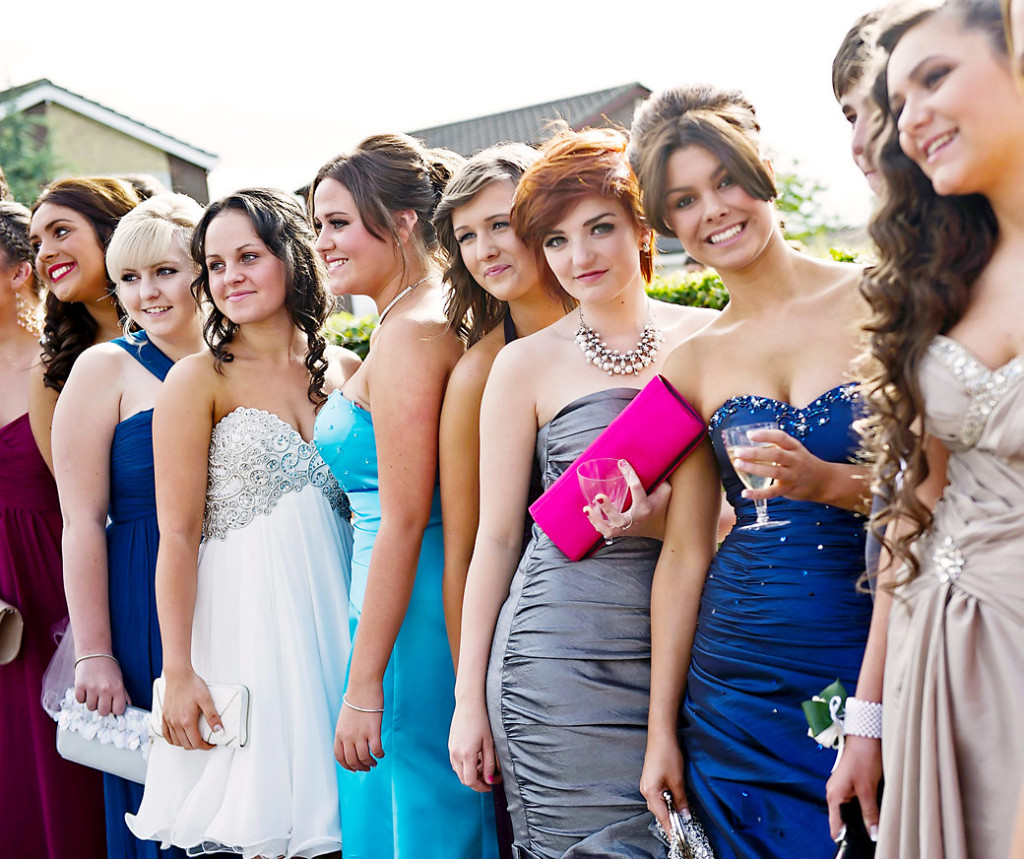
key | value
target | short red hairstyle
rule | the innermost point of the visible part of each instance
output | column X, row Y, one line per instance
column 574, row 165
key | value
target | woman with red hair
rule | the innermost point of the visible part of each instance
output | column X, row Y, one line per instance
column 554, row 670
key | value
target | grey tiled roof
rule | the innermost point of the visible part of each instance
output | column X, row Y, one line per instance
column 528, row 124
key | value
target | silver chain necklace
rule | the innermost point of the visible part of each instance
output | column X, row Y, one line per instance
column 399, row 297
column 612, row 361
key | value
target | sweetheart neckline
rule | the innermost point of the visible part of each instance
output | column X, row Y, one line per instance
column 278, row 418
column 971, row 356
column 782, row 403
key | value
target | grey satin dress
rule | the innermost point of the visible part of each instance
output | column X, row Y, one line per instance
column 568, row 682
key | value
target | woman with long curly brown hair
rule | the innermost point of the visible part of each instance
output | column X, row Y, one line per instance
column 250, row 591
column 72, row 222
column 944, row 379
column 56, row 806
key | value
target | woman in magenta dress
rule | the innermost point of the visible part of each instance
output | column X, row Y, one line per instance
column 58, row 806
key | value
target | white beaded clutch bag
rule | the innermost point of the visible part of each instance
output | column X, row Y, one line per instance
column 118, row 745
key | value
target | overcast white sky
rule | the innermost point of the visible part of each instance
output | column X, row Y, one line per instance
column 277, row 88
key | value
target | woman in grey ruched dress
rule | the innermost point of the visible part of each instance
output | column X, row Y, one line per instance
column 554, row 665
column 569, row 675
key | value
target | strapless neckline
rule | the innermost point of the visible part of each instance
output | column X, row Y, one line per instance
column 252, row 411
column 842, row 391
column 592, row 396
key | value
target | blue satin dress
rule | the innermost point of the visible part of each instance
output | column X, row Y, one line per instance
column 132, row 540
column 780, row 618
column 411, row 803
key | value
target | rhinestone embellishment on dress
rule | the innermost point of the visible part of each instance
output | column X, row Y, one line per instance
column 949, row 561
column 797, row 422
column 984, row 386
column 255, row 458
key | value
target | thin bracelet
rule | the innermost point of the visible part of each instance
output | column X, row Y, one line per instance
column 352, row 706
column 97, row 656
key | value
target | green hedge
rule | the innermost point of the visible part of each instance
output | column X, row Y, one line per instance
column 693, row 289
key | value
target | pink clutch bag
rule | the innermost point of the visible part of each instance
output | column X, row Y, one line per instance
column 654, row 433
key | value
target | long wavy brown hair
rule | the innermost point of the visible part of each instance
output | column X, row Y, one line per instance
column 932, row 249
column 471, row 310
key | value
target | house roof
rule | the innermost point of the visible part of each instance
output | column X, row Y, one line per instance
column 29, row 95
column 529, row 124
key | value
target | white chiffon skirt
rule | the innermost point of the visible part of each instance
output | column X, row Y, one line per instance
column 271, row 614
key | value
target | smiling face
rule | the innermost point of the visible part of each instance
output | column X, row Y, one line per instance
column 158, row 297
column 863, row 114
column 490, row 250
column 247, row 281
column 69, row 256
column 960, row 113
column 594, row 251
column 715, row 219
column 358, row 263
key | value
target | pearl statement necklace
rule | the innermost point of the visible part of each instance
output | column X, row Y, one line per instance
column 399, row 297
column 612, row 361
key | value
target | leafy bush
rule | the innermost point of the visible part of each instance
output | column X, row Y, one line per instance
column 693, row 289
column 344, row 329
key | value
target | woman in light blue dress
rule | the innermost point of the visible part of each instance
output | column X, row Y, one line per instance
column 399, row 797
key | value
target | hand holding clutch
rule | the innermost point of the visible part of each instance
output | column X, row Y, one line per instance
column 231, row 703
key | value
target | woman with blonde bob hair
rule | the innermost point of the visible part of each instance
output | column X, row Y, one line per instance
column 103, row 461
column 742, row 635
column 560, row 715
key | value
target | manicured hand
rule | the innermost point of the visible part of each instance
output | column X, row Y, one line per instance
column 645, row 516
column 100, row 686
column 797, row 473
column 858, row 775
column 471, row 748
column 186, row 697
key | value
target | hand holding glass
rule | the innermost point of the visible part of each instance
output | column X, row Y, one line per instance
column 739, row 437
column 603, row 477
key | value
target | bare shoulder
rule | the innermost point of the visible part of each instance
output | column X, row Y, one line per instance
column 471, row 372
column 686, row 365
column 196, row 373
column 417, row 335
column 100, row 364
column 680, row 321
column 341, row 364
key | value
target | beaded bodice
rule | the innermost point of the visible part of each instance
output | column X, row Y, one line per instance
column 984, row 388
column 255, row 459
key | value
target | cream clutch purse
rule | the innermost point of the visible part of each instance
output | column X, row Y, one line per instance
column 11, row 626
column 232, row 704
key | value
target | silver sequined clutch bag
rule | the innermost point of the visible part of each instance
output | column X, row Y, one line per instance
column 687, row 839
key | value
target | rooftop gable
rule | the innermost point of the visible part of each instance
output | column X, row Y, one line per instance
column 529, row 124
column 29, row 95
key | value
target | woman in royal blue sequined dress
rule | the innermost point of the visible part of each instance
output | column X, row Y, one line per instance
column 742, row 636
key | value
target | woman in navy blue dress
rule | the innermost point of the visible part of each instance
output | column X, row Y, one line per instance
column 103, row 461
column 740, row 637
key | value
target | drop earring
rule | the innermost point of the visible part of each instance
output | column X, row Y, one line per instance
column 28, row 317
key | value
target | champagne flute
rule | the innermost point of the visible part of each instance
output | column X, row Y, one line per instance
column 603, row 477
column 739, row 437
